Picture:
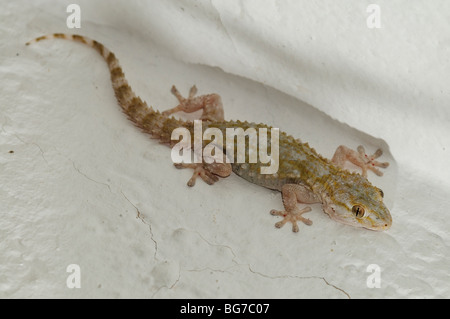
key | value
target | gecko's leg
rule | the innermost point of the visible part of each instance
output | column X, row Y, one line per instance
column 208, row 172
column 291, row 195
column 211, row 104
column 212, row 110
column 359, row 158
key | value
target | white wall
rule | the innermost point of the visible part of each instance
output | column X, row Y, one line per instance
column 85, row 187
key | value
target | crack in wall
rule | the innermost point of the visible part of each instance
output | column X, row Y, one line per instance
column 249, row 267
column 30, row 143
column 87, row 177
column 256, row 273
column 267, row 276
column 301, row 278
column 138, row 216
column 168, row 287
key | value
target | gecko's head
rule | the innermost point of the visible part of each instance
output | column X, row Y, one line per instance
column 358, row 203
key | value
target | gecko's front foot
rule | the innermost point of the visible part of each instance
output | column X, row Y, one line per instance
column 359, row 158
column 291, row 195
column 209, row 173
column 292, row 217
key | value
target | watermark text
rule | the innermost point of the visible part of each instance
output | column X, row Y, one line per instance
column 235, row 142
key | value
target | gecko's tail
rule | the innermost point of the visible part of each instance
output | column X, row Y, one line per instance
column 149, row 120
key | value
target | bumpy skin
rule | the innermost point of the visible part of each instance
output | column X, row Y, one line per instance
column 303, row 175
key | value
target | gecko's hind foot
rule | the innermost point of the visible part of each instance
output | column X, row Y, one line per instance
column 209, row 173
column 359, row 158
column 370, row 161
column 199, row 171
column 292, row 217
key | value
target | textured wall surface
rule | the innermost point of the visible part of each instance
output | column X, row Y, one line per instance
column 80, row 185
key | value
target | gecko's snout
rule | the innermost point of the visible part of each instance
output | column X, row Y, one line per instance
column 380, row 221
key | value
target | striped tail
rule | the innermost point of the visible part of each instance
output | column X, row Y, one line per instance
column 149, row 120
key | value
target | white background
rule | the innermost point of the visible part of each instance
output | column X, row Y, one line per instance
column 84, row 186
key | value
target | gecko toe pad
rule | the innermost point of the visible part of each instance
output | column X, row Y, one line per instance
column 292, row 217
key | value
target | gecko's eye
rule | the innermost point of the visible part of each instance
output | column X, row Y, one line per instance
column 381, row 193
column 358, row 211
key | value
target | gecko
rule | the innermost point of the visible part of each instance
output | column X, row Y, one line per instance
column 303, row 175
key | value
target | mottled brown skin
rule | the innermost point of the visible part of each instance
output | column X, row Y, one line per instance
column 303, row 175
